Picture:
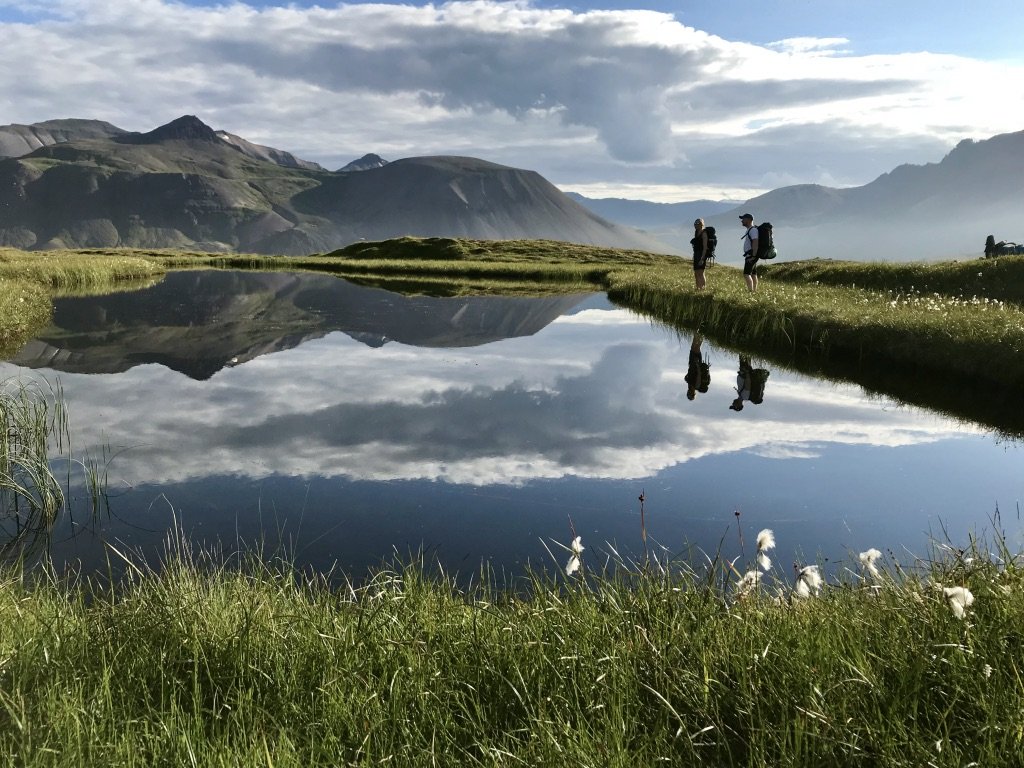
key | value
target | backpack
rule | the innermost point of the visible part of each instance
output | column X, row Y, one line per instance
column 765, row 246
column 712, row 242
column 758, row 378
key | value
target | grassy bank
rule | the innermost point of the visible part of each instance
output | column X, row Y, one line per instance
column 29, row 281
column 214, row 666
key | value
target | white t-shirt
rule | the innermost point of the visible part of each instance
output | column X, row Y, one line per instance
column 748, row 243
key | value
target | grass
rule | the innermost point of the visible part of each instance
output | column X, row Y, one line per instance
column 29, row 281
column 33, row 423
column 201, row 663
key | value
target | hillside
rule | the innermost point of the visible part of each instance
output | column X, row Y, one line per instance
column 915, row 212
column 184, row 185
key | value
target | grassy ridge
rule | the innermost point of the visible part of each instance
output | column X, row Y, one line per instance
column 252, row 665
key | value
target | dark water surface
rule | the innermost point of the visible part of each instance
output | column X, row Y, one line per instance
column 344, row 424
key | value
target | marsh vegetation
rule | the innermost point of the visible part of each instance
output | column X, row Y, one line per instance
column 207, row 663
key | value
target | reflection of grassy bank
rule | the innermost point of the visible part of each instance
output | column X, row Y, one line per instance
column 28, row 281
column 203, row 665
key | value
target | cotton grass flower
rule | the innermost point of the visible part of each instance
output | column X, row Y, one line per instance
column 808, row 581
column 765, row 541
column 959, row 599
column 867, row 561
column 748, row 583
column 575, row 560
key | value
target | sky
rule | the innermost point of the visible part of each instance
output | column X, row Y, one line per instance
column 657, row 100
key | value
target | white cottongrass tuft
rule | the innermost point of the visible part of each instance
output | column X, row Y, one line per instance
column 575, row 560
column 808, row 581
column 867, row 561
column 765, row 541
column 959, row 599
column 748, row 582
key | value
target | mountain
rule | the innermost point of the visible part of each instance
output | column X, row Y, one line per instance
column 670, row 223
column 260, row 152
column 644, row 214
column 17, row 140
column 184, row 185
column 365, row 162
column 914, row 212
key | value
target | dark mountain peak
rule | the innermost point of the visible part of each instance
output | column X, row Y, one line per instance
column 365, row 163
column 185, row 128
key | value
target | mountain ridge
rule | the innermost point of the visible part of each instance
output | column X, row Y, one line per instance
column 184, row 185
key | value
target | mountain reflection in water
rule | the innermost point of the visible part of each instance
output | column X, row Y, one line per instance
column 197, row 323
column 483, row 427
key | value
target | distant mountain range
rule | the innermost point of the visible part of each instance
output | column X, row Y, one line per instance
column 84, row 183
column 87, row 183
column 915, row 212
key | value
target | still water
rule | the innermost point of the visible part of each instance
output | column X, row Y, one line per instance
column 341, row 425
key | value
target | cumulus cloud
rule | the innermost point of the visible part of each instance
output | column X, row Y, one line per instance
column 633, row 97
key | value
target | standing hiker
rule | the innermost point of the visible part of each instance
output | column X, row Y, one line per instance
column 703, row 243
column 749, row 251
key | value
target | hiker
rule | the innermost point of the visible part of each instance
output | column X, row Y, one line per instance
column 698, row 373
column 750, row 383
column 749, row 252
column 703, row 243
column 990, row 246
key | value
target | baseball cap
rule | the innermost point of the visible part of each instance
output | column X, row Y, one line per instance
column 747, row 216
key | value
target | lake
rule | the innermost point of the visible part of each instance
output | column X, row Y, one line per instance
column 341, row 425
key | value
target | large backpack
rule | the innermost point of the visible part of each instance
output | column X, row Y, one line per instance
column 712, row 242
column 765, row 246
column 758, row 378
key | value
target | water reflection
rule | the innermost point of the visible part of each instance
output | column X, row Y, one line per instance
column 698, row 369
column 750, row 383
column 197, row 323
column 514, row 417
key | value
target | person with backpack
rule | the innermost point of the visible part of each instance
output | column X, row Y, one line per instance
column 703, row 242
column 749, row 251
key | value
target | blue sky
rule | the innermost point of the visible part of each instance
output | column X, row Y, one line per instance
column 653, row 100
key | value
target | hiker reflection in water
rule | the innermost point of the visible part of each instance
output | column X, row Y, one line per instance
column 750, row 383
column 698, row 373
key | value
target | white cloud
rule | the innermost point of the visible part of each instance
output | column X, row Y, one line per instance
column 632, row 98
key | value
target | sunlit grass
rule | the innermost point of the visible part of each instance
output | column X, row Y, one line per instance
column 29, row 282
column 252, row 664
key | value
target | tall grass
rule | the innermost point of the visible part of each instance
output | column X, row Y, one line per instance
column 72, row 270
column 33, row 421
column 253, row 664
